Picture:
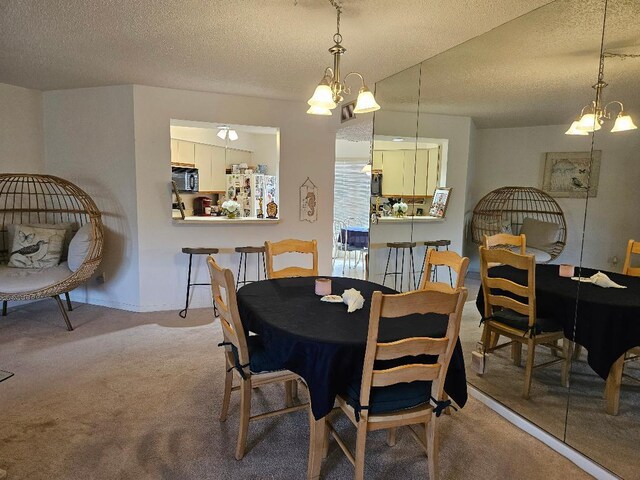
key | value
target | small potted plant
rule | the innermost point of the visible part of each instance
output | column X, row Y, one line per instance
column 400, row 208
column 231, row 208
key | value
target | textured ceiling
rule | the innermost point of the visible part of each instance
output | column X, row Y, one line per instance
column 270, row 48
column 535, row 70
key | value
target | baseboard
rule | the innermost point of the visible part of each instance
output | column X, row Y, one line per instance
column 585, row 463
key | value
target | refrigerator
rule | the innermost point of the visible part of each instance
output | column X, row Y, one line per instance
column 248, row 189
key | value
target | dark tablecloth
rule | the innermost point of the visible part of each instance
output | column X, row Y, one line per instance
column 357, row 237
column 608, row 319
column 323, row 343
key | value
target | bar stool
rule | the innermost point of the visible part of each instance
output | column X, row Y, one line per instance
column 244, row 252
column 400, row 246
column 191, row 251
column 435, row 244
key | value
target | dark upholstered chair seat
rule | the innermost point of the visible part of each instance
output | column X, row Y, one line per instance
column 396, row 397
column 259, row 361
column 521, row 322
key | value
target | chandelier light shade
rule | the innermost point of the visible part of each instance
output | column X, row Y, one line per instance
column 623, row 123
column 329, row 92
column 593, row 116
column 227, row 132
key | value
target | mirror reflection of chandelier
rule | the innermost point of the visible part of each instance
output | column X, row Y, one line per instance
column 225, row 132
column 328, row 93
column 593, row 116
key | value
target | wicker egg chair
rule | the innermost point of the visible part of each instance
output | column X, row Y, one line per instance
column 506, row 208
column 44, row 199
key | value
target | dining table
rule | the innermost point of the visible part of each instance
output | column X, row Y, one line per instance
column 605, row 321
column 324, row 344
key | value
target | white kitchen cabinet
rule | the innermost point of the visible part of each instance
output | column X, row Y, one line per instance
column 393, row 173
column 186, row 152
column 433, row 170
column 174, row 151
column 203, row 154
column 218, row 170
column 377, row 160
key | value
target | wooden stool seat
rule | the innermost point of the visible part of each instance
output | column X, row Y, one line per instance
column 250, row 249
column 401, row 244
column 437, row 243
column 199, row 251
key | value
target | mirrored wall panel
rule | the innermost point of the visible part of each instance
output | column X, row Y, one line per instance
column 604, row 407
column 504, row 158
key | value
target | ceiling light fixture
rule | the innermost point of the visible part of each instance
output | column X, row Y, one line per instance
column 592, row 116
column 227, row 132
column 328, row 93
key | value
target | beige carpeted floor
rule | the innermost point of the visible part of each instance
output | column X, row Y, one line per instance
column 136, row 396
column 611, row 441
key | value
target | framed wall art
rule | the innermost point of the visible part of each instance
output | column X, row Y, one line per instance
column 440, row 202
column 571, row 174
column 308, row 201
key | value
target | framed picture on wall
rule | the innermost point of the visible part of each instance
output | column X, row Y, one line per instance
column 440, row 201
column 571, row 174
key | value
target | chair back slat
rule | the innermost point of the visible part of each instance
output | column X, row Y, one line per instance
column 508, row 302
column 223, row 292
column 444, row 258
column 403, row 305
column 273, row 249
column 508, row 285
column 411, row 347
column 633, row 248
column 494, row 301
column 505, row 240
column 405, row 374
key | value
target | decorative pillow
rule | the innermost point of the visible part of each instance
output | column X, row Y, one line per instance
column 36, row 247
column 66, row 226
column 79, row 247
column 540, row 235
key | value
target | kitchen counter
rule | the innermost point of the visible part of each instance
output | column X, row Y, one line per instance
column 409, row 219
column 225, row 220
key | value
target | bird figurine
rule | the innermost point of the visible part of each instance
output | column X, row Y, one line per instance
column 30, row 249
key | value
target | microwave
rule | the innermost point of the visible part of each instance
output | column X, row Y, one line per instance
column 186, row 178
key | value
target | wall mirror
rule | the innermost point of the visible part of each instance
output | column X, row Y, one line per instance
column 603, row 419
column 212, row 163
column 501, row 103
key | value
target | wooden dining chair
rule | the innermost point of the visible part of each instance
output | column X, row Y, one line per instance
column 274, row 249
column 515, row 319
column 633, row 248
column 245, row 358
column 445, row 258
column 614, row 380
column 405, row 395
column 506, row 241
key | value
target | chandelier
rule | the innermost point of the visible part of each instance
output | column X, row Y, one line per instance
column 330, row 90
column 226, row 132
column 593, row 116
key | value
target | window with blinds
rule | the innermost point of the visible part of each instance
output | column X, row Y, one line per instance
column 352, row 191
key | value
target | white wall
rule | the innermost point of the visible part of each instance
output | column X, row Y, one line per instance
column 515, row 156
column 306, row 149
column 89, row 141
column 21, row 135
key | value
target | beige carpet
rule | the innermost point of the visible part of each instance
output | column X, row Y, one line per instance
column 612, row 441
column 136, row 396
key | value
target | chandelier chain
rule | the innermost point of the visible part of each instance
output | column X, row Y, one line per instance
column 338, row 8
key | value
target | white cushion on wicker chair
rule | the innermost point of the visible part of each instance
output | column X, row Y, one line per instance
column 541, row 256
column 19, row 280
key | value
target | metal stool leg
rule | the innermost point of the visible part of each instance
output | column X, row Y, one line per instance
column 183, row 313
column 435, row 267
column 413, row 270
column 402, row 271
column 386, row 269
column 239, row 270
column 264, row 265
